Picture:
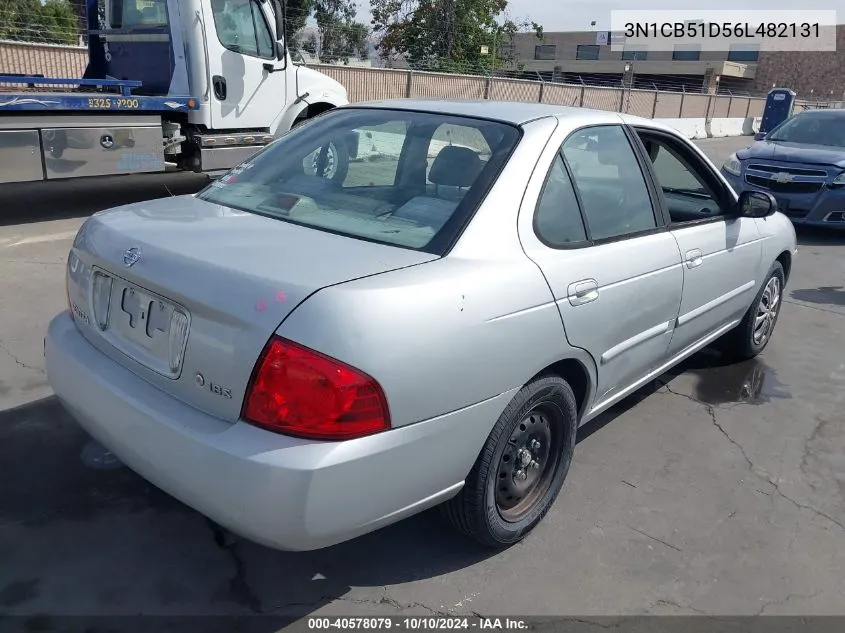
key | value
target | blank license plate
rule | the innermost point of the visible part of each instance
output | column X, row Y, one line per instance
column 138, row 323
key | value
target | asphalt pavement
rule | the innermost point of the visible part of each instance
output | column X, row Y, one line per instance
column 720, row 489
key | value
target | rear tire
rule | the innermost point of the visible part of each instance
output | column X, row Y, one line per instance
column 521, row 468
column 754, row 332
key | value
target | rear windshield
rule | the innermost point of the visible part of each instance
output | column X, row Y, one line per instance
column 403, row 178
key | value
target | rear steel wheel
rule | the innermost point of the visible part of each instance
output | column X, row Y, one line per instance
column 521, row 468
column 527, row 465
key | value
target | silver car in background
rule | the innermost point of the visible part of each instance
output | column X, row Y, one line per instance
column 407, row 304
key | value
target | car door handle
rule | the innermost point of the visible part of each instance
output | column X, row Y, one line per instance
column 694, row 258
column 582, row 292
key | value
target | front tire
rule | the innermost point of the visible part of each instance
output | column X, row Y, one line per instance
column 521, row 468
column 754, row 332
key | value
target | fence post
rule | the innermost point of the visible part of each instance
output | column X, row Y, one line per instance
column 708, row 114
column 730, row 102
column 654, row 105
column 581, row 100
column 542, row 88
column 487, row 85
column 621, row 96
column 681, row 107
column 747, row 106
column 408, row 84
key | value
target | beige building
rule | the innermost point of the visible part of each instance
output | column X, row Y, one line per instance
column 574, row 56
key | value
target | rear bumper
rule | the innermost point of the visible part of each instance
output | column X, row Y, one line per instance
column 282, row 492
column 825, row 208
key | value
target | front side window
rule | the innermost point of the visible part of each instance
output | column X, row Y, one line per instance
column 241, row 27
column 609, row 181
column 687, row 195
column 390, row 176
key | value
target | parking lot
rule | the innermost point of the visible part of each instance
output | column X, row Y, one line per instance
column 718, row 490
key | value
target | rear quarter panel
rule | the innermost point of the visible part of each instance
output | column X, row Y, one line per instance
column 438, row 337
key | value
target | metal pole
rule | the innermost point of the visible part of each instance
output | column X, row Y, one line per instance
column 542, row 88
column 654, row 105
column 408, row 84
column 681, row 108
column 583, row 86
column 747, row 107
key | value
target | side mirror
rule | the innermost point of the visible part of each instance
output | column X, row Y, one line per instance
column 760, row 136
column 280, row 51
column 757, row 204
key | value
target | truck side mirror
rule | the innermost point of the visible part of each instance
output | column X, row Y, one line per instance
column 760, row 136
column 757, row 204
column 280, row 51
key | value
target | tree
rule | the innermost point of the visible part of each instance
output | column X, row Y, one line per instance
column 310, row 44
column 358, row 39
column 60, row 22
column 341, row 37
column 52, row 22
column 445, row 34
column 296, row 15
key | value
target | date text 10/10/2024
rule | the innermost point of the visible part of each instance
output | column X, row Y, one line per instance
column 418, row 623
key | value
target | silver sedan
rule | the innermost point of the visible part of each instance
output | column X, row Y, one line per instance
column 407, row 304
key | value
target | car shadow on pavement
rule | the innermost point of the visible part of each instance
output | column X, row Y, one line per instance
column 60, row 200
column 52, row 487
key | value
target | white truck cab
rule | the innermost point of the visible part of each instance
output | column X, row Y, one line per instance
column 196, row 85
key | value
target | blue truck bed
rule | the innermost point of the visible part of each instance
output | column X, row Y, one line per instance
column 104, row 95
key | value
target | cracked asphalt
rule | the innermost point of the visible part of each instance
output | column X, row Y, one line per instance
column 719, row 489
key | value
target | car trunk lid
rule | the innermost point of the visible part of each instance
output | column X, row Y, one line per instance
column 182, row 277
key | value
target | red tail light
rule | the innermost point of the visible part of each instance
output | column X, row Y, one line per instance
column 297, row 391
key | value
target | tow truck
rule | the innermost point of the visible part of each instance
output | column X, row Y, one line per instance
column 191, row 85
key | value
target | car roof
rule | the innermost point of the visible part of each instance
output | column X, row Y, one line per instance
column 513, row 112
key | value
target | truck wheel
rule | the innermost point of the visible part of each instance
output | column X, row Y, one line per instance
column 337, row 157
column 337, row 166
column 521, row 468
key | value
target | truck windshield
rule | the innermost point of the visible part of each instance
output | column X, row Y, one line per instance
column 403, row 178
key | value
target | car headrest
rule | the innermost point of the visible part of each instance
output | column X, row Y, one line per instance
column 455, row 167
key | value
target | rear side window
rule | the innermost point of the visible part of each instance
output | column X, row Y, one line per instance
column 558, row 221
column 614, row 195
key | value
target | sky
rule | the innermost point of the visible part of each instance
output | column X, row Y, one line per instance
column 567, row 15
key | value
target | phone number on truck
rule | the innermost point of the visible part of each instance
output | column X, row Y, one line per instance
column 101, row 103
